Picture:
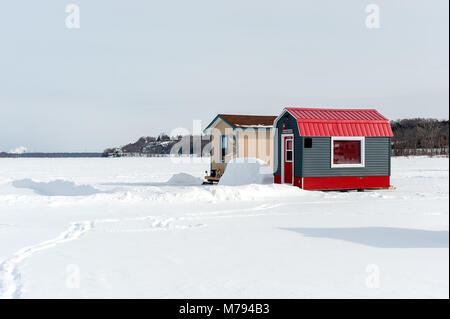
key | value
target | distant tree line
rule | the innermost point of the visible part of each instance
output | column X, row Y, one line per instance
column 420, row 136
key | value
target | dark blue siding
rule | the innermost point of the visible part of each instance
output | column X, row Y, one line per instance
column 291, row 123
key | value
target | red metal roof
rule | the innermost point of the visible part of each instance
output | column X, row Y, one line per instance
column 340, row 122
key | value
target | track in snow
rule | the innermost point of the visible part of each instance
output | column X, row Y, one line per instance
column 10, row 278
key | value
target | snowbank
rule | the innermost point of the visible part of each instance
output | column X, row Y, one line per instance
column 184, row 179
column 207, row 194
column 244, row 171
column 56, row 188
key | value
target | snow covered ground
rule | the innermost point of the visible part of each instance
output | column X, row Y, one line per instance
column 82, row 228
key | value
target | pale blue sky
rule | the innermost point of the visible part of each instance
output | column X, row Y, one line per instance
column 137, row 68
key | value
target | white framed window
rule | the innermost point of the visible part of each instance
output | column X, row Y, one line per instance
column 288, row 150
column 348, row 151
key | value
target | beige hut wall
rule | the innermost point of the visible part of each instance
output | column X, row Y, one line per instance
column 255, row 143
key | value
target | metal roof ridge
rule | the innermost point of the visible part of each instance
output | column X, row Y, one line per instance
column 328, row 109
column 386, row 121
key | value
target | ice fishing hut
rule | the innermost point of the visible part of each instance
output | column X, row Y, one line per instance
column 239, row 136
column 332, row 148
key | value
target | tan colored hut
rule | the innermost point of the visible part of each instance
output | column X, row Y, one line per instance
column 239, row 136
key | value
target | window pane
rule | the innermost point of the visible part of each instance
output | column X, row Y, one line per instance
column 223, row 147
column 347, row 152
column 289, row 156
column 289, row 145
column 308, row 142
column 224, row 141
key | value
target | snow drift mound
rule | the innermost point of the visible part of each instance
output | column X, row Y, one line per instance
column 184, row 179
column 56, row 188
column 244, row 171
column 210, row 194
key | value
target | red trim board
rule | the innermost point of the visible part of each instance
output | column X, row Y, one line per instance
column 346, row 182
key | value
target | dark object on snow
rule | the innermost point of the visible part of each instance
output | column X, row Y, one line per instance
column 213, row 177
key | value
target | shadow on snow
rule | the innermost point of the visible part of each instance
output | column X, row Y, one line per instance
column 56, row 188
column 382, row 237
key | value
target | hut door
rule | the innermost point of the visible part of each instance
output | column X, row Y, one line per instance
column 288, row 158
